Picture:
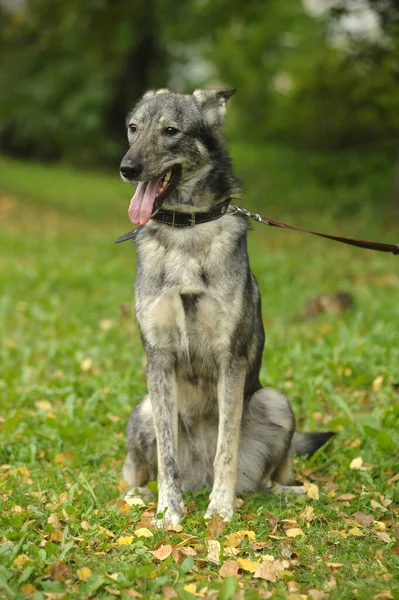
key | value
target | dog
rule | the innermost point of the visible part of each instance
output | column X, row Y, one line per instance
column 206, row 420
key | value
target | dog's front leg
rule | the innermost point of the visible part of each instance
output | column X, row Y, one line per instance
column 230, row 403
column 161, row 381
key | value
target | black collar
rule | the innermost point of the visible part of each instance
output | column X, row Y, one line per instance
column 180, row 219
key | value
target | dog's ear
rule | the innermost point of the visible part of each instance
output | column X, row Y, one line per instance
column 213, row 104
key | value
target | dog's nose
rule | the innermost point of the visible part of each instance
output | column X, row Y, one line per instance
column 131, row 169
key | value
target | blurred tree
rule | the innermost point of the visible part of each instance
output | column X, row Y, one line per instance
column 71, row 70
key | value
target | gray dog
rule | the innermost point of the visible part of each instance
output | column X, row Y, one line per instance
column 206, row 420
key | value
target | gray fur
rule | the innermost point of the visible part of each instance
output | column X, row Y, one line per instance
column 207, row 419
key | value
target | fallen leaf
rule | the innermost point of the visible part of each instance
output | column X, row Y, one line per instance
column 317, row 594
column 234, row 539
column 229, row 568
column 334, row 565
column 54, row 521
column 133, row 593
column 56, row 536
column 20, row 560
column 311, row 490
column 344, row 497
column 86, row 364
column 357, row 464
column 356, row 532
column 134, row 501
column 125, row 541
column 363, row 519
column 213, row 551
column 377, row 383
column 162, row 552
column 191, row 588
column 143, row 532
column 216, row 525
column 176, row 527
column 43, row 405
column 307, row 513
column 383, row 536
column 384, row 596
column 270, row 569
column 59, row 571
column 376, row 505
column 83, row 573
column 28, row 589
column 248, row 565
column 294, row 532
column 168, row 592
column 85, row 525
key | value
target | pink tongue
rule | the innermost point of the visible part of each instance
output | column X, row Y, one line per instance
column 141, row 205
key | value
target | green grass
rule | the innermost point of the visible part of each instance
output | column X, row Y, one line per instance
column 72, row 368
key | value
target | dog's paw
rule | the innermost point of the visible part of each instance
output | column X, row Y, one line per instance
column 141, row 493
column 288, row 490
column 169, row 512
column 224, row 509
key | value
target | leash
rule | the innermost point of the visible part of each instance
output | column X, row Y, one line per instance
column 178, row 219
column 379, row 246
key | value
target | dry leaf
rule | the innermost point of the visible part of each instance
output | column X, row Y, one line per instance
column 308, row 513
column 293, row 587
column 383, row 536
column 311, row 490
column 317, row 594
column 176, row 527
column 270, row 569
column 376, row 505
column 86, row 364
column 294, row 532
column 83, row 573
column 54, row 521
column 59, row 571
column 216, row 525
column 363, row 519
column 168, row 592
column 213, row 551
column 377, row 383
column 344, row 497
column 334, row 565
column 125, row 540
column 85, row 525
column 229, row 568
column 56, row 536
column 234, row 539
column 191, row 588
column 28, row 589
column 20, row 560
column 357, row 464
column 384, row 596
column 248, row 565
column 162, row 552
column 132, row 592
column 143, row 532
column 355, row 531
column 133, row 501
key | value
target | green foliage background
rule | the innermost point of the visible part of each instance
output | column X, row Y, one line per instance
column 70, row 71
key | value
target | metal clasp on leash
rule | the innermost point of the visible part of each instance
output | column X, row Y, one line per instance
column 243, row 211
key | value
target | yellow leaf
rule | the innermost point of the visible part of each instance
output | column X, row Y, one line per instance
column 143, row 532
column 213, row 551
column 132, row 592
column 107, row 532
column 28, row 589
column 43, row 405
column 357, row 464
column 191, row 588
column 125, row 541
column 85, row 525
column 374, row 505
column 134, row 501
column 162, row 552
column 20, row 560
column 270, row 569
column 56, row 536
column 234, row 539
column 83, row 573
column 248, row 565
column 86, row 364
column 355, row 531
column 294, row 532
column 377, row 383
column 54, row 521
column 311, row 490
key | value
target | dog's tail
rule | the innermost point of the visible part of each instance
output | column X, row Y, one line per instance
column 308, row 443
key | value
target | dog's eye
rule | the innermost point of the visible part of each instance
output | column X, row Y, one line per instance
column 170, row 131
column 132, row 128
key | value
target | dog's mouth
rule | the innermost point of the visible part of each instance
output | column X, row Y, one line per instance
column 149, row 195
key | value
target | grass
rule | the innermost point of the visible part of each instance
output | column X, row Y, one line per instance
column 72, row 369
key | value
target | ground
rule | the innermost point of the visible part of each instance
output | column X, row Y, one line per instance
column 72, row 367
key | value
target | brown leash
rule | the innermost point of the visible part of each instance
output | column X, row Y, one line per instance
column 379, row 246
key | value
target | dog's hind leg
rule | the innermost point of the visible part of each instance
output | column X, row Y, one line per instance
column 267, row 429
column 140, row 465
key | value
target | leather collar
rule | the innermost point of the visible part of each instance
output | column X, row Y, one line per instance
column 181, row 219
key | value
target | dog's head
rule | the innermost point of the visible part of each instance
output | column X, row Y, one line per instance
column 174, row 140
